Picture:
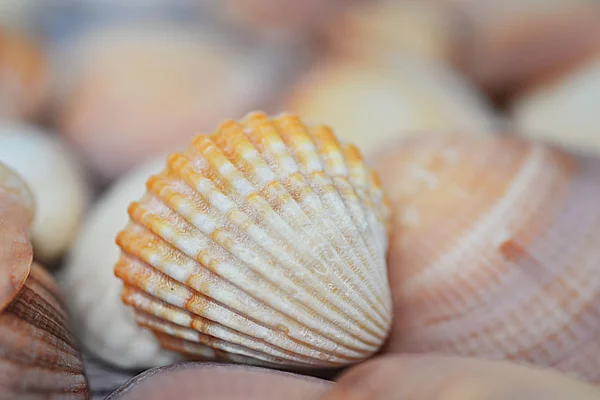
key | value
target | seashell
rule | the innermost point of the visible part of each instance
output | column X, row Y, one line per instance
column 105, row 326
column 39, row 358
column 387, row 30
column 510, row 46
column 495, row 251
column 16, row 213
column 118, row 106
column 184, row 381
column 262, row 243
column 370, row 105
column 47, row 164
column 23, row 76
column 563, row 111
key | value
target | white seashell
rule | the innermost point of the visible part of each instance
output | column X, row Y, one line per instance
column 262, row 243
column 53, row 174
column 565, row 111
column 103, row 323
column 369, row 105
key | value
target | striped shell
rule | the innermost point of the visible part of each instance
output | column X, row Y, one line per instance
column 496, row 251
column 39, row 358
column 264, row 242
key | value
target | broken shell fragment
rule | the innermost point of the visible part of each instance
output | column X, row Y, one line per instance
column 262, row 243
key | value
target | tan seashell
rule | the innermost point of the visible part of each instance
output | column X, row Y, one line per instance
column 370, row 105
column 184, row 381
column 563, row 112
column 262, row 243
column 513, row 45
column 23, row 76
column 495, row 251
column 39, row 358
column 141, row 90
column 386, row 30
column 16, row 214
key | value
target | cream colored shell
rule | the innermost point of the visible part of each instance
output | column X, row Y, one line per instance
column 102, row 322
column 56, row 180
column 565, row 111
column 370, row 105
column 264, row 242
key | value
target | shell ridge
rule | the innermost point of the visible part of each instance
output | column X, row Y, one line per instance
column 258, row 158
column 147, row 303
column 314, row 175
column 126, row 247
column 314, row 280
column 208, row 310
column 320, row 220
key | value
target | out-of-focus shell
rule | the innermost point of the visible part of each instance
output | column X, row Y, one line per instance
column 16, row 214
column 512, row 45
column 564, row 111
column 105, row 326
column 184, row 381
column 369, row 105
column 495, row 251
column 54, row 176
column 262, row 243
column 386, row 30
column 141, row 90
column 39, row 357
column 23, row 76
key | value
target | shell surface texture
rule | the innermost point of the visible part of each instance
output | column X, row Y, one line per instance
column 495, row 251
column 262, row 243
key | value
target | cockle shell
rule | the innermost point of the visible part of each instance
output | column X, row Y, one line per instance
column 54, row 175
column 185, row 380
column 23, row 76
column 369, row 105
column 564, row 111
column 38, row 355
column 264, row 242
column 495, row 251
column 510, row 46
column 105, row 326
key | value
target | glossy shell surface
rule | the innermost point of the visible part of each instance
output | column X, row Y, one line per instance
column 264, row 242
column 495, row 251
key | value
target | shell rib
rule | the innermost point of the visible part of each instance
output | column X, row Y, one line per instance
column 496, row 251
column 39, row 358
column 263, row 242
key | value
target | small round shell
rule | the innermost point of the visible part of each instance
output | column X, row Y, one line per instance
column 262, row 243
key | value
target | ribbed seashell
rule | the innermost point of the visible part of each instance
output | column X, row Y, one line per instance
column 262, row 243
column 495, row 251
column 369, row 105
column 563, row 111
column 509, row 46
column 16, row 213
column 185, row 380
column 39, row 357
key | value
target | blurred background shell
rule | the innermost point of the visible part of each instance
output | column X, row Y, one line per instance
column 264, row 243
column 382, row 31
column 564, row 111
column 371, row 105
column 23, row 75
column 139, row 90
column 217, row 381
column 495, row 251
column 105, row 326
column 509, row 46
column 54, row 175
column 39, row 356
